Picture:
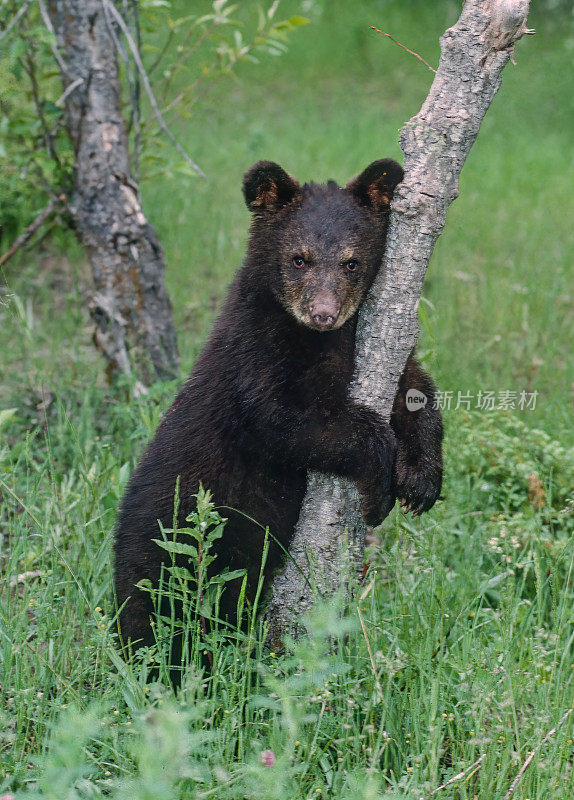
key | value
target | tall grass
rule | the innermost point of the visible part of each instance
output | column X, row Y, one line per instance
column 460, row 645
column 457, row 656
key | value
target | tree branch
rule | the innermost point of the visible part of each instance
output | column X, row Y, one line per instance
column 15, row 19
column 155, row 108
column 531, row 755
column 50, row 27
column 436, row 143
column 412, row 52
column 457, row 777
column 34, row 226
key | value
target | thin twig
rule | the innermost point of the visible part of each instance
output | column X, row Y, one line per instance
column 50, row 27
column 69, row 89
column 132, row 74
column 33, row 227
column 162, row 52
column 198, row 42
column 458, row 777
column 122, row 51
column 412, row 52
column 136, row 111
column 30, row 69
column 55, row 221
column 133, row 47
column 14, row 21
column 524, row 767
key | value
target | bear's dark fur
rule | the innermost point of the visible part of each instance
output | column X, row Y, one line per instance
column 268, row 397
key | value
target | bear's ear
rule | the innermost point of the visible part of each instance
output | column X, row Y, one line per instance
column 266, row 186
column 374, row 187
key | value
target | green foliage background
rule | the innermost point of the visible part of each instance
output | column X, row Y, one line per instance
column 467, row 645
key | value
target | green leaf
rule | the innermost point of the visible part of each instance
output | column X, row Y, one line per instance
column 181, row 574
column 177, row 547
column 217, row 533
column 223, row 577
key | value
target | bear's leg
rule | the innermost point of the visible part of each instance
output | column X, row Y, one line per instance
column 135, row 626
column 417, row 477
column 135, row 620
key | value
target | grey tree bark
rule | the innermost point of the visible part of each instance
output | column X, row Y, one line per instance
column 130, row 305
column 435, row 143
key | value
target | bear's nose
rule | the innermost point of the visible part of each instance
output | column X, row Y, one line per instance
column 324, row 313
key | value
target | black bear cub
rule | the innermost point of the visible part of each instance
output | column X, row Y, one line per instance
column 268, row 398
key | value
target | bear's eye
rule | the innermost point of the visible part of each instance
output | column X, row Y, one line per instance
column 351, row 265
column 298, row 262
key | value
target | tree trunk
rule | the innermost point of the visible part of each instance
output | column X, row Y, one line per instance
column 436, row 143
column 130, row 305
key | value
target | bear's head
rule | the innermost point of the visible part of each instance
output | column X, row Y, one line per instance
column 318, row 247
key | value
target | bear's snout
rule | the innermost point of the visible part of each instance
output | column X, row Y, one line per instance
column 324, row 311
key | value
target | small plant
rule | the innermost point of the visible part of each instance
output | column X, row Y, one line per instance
column 186, row 600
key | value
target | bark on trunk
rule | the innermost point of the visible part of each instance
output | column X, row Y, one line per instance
column 436, row 143
column 130, row 306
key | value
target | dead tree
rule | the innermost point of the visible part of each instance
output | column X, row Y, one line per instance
column 130, row 305
column 435, row 143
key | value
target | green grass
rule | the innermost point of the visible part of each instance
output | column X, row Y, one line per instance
column 466, row 650
column 467, row 645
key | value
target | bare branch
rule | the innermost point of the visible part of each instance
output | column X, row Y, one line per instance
column 30, row 68
column 163, row 124
column 69, row 89
column 50, row 27
column 460, row 776
column 33, row 227
column 162, row 52
column 132, row 83
column 135, row 116
column 531, row 755
column 15, row 19
column 412, row 52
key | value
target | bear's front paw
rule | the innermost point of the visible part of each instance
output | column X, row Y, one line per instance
column 418, row 486
column 376, row 489
column 374, row 458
